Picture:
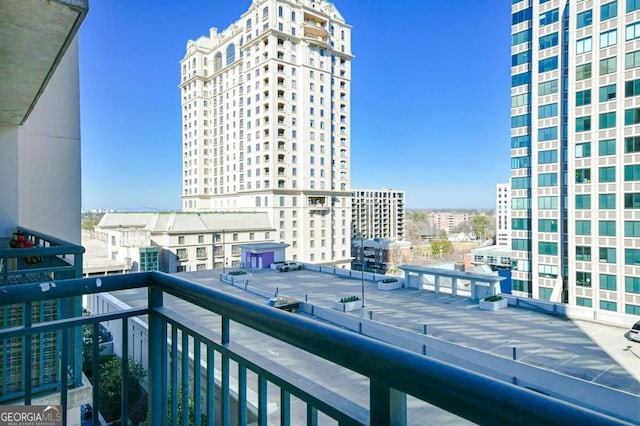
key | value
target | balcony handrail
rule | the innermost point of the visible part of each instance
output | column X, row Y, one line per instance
column 390, row 369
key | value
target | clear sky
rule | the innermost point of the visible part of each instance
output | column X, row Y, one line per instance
column 429, row 110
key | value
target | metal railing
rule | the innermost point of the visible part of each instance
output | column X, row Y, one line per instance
column 43, row 260
column 390, row 373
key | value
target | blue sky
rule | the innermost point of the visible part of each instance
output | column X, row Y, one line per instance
column 429, row 112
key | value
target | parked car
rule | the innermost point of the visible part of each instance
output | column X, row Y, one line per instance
column 289, row 266
column 284, row 303
column 634, row 333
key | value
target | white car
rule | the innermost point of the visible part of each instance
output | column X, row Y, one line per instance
column 289, row 266
column 634, row 333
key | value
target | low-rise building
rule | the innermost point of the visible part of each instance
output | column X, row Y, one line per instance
column 379, row 255
column 178, row 242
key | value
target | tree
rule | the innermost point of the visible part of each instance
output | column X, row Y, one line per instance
column 110, row 391
column 480, row 225
column 441, row 247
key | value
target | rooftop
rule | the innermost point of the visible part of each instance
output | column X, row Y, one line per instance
column 458, row 332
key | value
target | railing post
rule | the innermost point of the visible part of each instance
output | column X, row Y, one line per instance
column 156, row 346
column 125, row 371
column 388, row 406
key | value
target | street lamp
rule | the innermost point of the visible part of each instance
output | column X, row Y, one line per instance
column 362, row 268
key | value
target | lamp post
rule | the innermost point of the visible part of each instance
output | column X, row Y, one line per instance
column 362, row 268
column 224, row 256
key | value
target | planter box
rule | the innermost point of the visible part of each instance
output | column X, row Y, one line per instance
column 349, row 306
column 494, row 306
column 233, row 279
column 389, row 286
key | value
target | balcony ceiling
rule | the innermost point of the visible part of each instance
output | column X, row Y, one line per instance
column 34, row 35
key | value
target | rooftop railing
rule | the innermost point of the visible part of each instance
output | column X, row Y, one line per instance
column 206, row 381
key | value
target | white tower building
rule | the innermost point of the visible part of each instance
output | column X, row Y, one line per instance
column 266, row 112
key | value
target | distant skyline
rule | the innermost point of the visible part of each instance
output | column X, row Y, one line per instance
column 429, row 113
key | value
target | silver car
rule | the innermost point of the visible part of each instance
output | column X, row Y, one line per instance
column 634, row 333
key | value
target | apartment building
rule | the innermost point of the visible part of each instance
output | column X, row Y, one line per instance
column 575, row 143
column 503, row 214
column 378, row 213
column 182, row 242
column 266, row 123
column 447, row 221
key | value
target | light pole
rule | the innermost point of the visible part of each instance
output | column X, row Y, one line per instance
column 362, row 268
column 224, row 256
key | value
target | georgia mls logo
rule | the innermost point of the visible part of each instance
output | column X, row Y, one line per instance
column 30, row 415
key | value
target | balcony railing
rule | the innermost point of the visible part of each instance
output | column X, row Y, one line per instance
column 389, row 373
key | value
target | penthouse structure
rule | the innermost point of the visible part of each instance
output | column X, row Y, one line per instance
column 266, row 123
column 575, row 143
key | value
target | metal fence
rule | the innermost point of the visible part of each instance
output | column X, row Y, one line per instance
column 176, row 380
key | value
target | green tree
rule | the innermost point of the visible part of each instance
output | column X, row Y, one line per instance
column 110, row 391
column 441, row 247
column 480, row 224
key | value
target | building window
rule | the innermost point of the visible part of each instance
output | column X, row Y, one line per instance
column 607, row 147
column 548, row 157
column 583, row 124
column 548, row 179
column 584, row 19
column 583, row 301
column 181, row 253
column 235, row 236
column 546, row 42
column 547, row 225
column 583, row 201
column 546, row 88
column 631, row 228
column 252, row 236
column 548, row 203
column 583, row 175
column 607, row 174
column 632, row 60
column 609, row 10
column 607, row 201
column 549, row 17
column 181, row 239
column 608, row 93
column 201, row 252
column 548, row 271
column 608, row 66
column 632, row 200
column 632, row 284
column 632, row 172
column 521, row 37
column 633, row 5
column 605, row 305
column 583, row 227
column 583, row 97
column 548, row 64
column 607, row 255
column 608, row 282
column 583, row 72
column 547, row 134
column 200, row 239
column 583, row 45
column 549, row 110
column 583, row 279
column 632, row 309
column 583, row 150
column 608, row 38
column 583, row 253
column 548, row 248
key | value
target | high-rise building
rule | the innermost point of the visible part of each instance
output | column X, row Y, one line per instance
column 378, row 213
column 575, row 138
column 266, row 123
column 503, row 214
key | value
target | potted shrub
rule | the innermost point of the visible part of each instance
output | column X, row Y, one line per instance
column 493, row 303
column 350, row 303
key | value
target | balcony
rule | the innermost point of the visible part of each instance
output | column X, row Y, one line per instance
column 390, row 374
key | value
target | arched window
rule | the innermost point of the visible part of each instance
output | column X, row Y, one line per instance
column 258, row 201
column 248, row 23
column 265, row 12
column 231, row 53
column 280, row 11
column 217, row 62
